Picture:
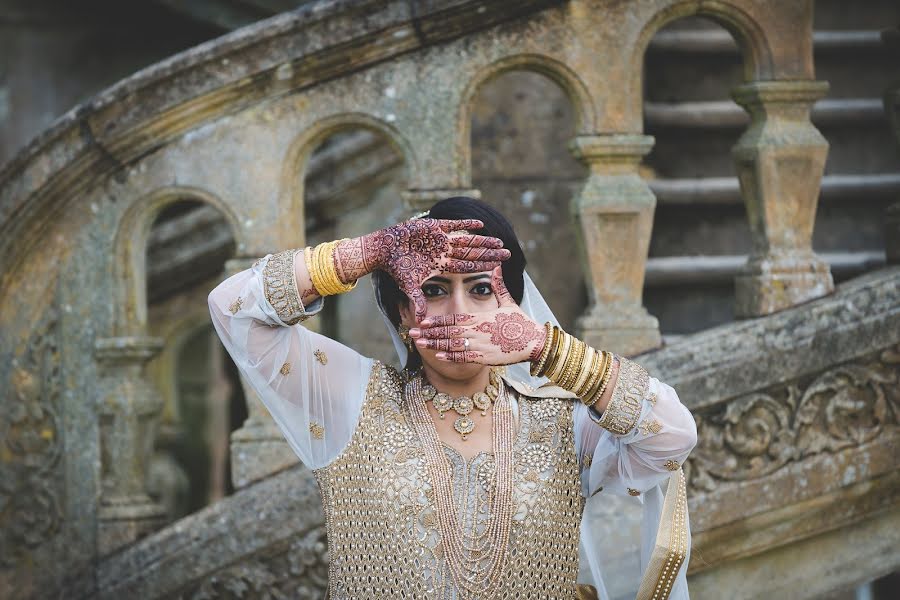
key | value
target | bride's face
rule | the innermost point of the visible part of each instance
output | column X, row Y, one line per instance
column 453, row 293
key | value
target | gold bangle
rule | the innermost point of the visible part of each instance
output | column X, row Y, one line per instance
column 553, row 357
column 591, row 396
column 545, row 351
column 606, row 377
column 593, row 375
column 324, row 272
column 590, row 357
column 573, row 364
column 561, row 355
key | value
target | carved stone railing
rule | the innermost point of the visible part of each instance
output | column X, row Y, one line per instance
column 233, row 122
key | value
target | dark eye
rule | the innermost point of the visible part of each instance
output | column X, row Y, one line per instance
column 431, row 290
column 483, row 289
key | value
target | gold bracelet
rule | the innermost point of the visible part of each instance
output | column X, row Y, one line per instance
column 574, row 364
column 553, row 357
column 324, row 272
column 591, row 396
column 606, row 377
column 590, row 357
column 538, row 365
column 563, row 353
column 596, row 375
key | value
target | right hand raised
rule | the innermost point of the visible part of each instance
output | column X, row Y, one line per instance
column 414, row 250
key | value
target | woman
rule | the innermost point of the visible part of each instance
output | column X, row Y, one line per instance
column 465, row 475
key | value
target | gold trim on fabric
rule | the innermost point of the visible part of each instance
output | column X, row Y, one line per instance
column 624, row 409
column 671, row 543
column 285, row 368
column 317, row 430
column 280, row 287
column 321, row 356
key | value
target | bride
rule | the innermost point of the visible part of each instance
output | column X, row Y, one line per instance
column 465, row 474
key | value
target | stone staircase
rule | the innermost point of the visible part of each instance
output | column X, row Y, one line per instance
column 793, row 484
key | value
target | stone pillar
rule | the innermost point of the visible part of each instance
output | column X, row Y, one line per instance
column 258, row 448
column 416, row 201
column 613, row 216
column 128, row 408
column 779, row 162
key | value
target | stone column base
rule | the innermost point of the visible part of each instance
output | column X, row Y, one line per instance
column 258, row 450
column 766, row 287
column 628, row 331
column 125, row 520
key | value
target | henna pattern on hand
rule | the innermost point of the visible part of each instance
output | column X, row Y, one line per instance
column 443, row 344
column 460, row 357
column 511, row 332
column 444, row 320
column 442, row 331
column 411, row 251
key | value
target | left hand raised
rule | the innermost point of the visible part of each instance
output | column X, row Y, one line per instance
column 502, row 336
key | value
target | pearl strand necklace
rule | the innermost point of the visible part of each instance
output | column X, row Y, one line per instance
column 468, row 578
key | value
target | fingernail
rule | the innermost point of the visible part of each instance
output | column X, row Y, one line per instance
column 415, row 332
column 425, row 323
column 421, row 343
column 441, row 356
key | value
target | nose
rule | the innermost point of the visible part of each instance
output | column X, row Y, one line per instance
column 460, row 301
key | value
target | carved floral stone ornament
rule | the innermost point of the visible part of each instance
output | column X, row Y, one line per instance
column 30, row 512
column 755, row 435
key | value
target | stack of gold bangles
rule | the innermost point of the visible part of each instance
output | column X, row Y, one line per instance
column 322, row 269
column 573, row 365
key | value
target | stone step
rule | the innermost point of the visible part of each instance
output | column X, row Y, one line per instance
column 718, row 270
column 717, row 41
column 725, row 114
column 726, row 190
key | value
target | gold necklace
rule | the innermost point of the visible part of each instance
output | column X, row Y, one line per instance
column 463, row 405
column 462, row 559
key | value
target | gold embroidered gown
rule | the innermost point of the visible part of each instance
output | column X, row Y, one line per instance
column 347, row 419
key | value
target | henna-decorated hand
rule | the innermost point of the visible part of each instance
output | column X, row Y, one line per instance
column 502, row 336
column 415, row 250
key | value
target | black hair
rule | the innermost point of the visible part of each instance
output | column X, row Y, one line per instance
column 495, row 225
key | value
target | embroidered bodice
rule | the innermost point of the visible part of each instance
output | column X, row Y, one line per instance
column 382, row 529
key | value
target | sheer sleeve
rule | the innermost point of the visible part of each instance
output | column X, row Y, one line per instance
column 644, row 435
column 634, row 448
column 312, row 386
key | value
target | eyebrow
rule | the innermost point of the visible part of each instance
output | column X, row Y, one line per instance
column 466, row 280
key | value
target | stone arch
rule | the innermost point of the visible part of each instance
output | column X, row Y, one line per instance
column 750, row 35
column 559, row 72
column 291, row 200
column 130, row 247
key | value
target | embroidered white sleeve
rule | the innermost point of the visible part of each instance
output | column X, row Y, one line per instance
column 312, row 385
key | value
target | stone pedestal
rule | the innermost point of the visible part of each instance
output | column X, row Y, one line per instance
column 416, row 201
column 128, row 407
column 258, row 448
column 779, row 161
column 613, row 216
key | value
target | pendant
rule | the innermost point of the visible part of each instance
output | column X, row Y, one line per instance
column 442, row 402
column 464, row 426
column 482, row 401
column 463, row 405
